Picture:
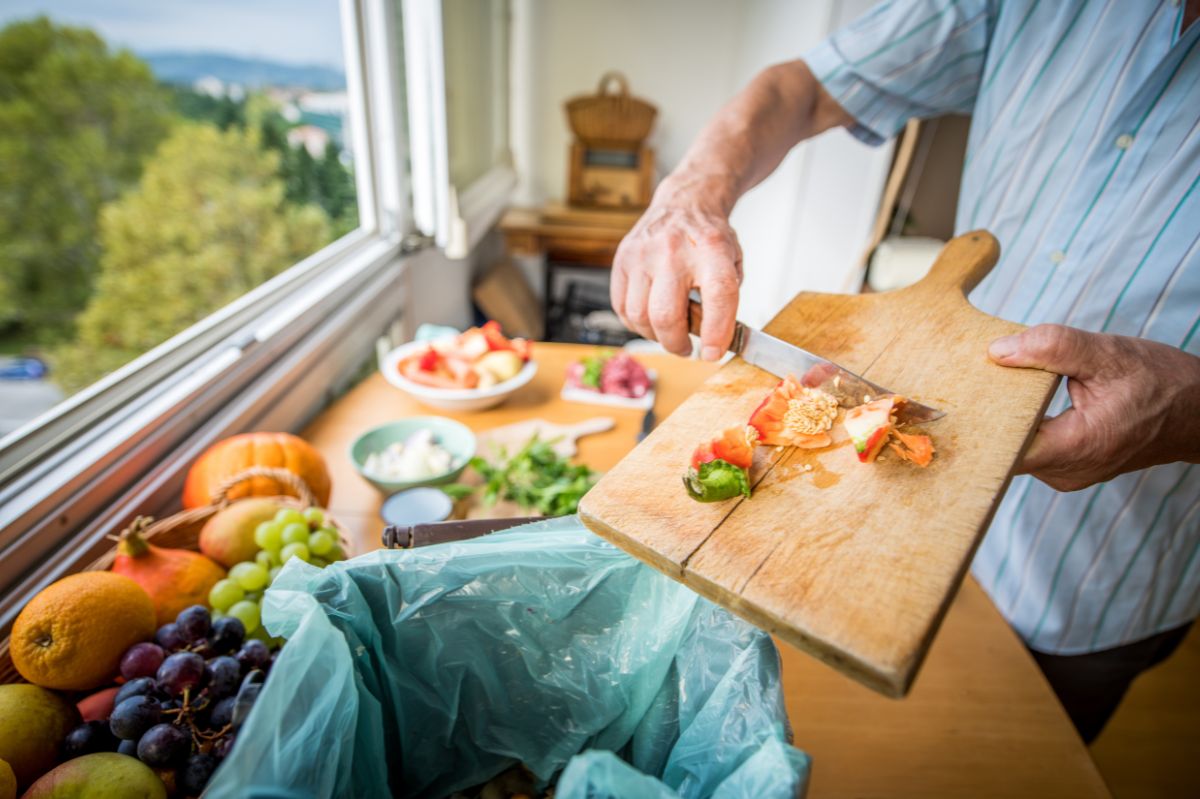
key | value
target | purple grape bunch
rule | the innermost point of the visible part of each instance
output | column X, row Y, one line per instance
column 184, row 697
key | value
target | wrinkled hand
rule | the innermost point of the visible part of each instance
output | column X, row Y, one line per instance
column 680, row 243
column 1134, row 403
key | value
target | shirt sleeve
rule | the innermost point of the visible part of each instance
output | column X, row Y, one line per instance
column 905, row 59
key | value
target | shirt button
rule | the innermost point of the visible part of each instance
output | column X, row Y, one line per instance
column 1124, row 141
column 1057, row 257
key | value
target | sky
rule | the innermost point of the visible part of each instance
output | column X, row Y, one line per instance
column 290, row 31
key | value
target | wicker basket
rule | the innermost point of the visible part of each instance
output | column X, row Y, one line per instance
column 604, row 120
column 182, row 531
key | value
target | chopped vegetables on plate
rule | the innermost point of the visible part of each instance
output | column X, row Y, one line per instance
column 480, row 357
column 609, row 372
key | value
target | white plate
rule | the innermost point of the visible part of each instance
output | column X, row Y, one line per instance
column 447, row 399
column 643, row 403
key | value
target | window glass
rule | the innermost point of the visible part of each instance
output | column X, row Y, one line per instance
column 157, row 161
column 475, row 49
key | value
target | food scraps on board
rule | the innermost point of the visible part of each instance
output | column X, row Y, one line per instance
column 794, row 415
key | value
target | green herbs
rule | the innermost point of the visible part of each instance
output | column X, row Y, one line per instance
column 717, row 480
column 535, row 478
column 457, row 491
column 593, row 368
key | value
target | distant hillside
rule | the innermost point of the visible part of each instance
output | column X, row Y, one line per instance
column 186, row 68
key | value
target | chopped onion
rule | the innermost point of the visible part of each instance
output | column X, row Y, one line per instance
column 418, row 458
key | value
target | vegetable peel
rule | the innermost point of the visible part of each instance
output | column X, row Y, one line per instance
column 795, row 416
column 798, row 416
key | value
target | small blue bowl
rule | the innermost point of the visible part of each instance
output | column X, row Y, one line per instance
column 417, row 506
column 453, row 436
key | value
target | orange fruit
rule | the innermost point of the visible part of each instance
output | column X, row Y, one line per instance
column 71, row 635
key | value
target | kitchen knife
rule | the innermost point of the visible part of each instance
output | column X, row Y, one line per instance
column 780, row 358
column 648, row 423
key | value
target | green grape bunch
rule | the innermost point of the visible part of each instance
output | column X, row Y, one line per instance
column 307, row 535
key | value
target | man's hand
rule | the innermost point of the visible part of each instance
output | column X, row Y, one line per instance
column 683, row 241
column 1134, row 403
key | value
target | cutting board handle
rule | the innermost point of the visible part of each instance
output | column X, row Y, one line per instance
column 597, row 424
column 962, row 264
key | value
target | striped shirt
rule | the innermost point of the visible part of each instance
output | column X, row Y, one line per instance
column 1084, row 161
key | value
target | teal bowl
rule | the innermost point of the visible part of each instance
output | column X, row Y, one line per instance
column 453, row 436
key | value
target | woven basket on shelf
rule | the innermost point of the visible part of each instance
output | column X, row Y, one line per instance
column 618, row 120
column 182, row 531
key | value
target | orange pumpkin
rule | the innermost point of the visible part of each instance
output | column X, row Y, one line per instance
column 239, row 453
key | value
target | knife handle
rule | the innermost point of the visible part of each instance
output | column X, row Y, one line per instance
column 695, row 313
column 696, row 318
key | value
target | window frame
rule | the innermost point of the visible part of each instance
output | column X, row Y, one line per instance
column 87, row 467
column 455, row 218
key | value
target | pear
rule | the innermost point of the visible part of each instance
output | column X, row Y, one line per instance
column 33, row 723
column 103, row 775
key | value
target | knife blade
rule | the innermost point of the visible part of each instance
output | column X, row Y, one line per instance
column 648, row 422
column 781, row 359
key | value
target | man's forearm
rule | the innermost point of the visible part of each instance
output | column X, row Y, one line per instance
column 747, row 139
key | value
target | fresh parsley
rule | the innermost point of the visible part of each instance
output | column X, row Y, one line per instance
column 536, row 478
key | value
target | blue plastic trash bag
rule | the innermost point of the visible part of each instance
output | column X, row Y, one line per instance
column 418, row 673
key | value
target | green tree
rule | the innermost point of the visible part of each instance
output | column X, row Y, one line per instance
column 301, row 175
column 336, row 190
column 220, row 111
column 207, row 222
column 76, row 122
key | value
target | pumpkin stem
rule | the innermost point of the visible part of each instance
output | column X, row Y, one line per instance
column 132, row 543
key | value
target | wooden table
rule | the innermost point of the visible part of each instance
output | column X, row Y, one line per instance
column 980, row 721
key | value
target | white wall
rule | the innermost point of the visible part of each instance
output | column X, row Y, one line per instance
column 806, row 225
column 441, row 287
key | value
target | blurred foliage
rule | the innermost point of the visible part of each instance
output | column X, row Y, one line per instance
column 326, row 182
column 76, row 122
column 208, row 221
column 201, row 107
column 97, row 267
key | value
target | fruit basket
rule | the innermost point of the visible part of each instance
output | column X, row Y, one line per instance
column 182, row 531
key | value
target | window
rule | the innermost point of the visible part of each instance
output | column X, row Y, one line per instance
column 475, row 50
column 158, row 164
column 270, row 196
column 268, row 341
column 457, row 70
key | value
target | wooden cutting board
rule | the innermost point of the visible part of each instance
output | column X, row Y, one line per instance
column 563, row 438
column 854, row 563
